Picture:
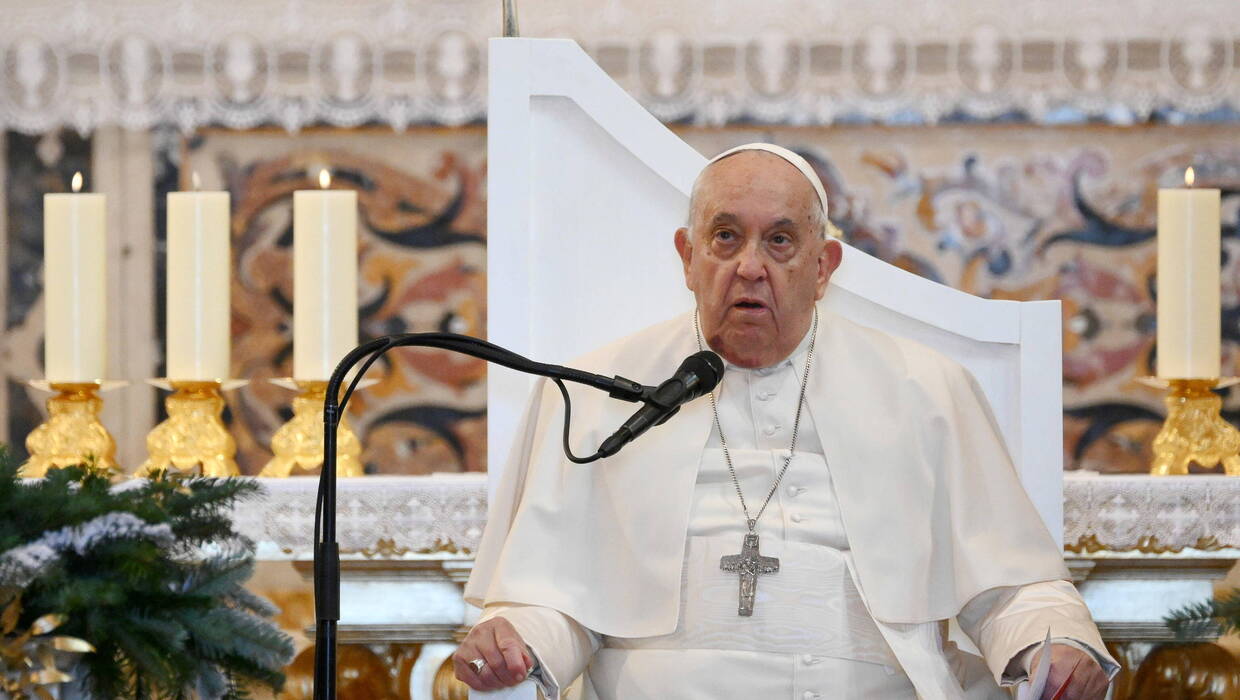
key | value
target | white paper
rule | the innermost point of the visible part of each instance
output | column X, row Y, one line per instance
column 1033, row 688
column 527, row 690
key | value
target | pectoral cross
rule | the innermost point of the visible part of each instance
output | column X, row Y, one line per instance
column 749, row 563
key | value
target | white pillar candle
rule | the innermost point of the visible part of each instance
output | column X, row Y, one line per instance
column 198, row 286
column 74, row 286
column 1189, row 315
column 324, row 279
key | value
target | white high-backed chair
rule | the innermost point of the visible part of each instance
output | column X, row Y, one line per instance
column 585, row 189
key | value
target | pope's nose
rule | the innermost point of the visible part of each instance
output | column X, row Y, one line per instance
column 750, row 265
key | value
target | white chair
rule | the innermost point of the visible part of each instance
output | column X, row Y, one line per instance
column 585, row 189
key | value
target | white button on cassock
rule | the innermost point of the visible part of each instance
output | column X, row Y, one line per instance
column 796, row 518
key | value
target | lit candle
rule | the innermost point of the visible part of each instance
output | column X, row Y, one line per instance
column 1189, row 323
column 74, row 287
column 198, row 285
column 324, row 279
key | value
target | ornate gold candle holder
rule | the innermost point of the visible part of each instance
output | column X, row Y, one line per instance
column 298, row 444
column 1194, row 430
column 72, row 433
column 193, row 438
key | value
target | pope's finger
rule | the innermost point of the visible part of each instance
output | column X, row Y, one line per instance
column 489, row 651
column 466, row 673
column 1097, row 684
column 490, row 680
column 510, row 645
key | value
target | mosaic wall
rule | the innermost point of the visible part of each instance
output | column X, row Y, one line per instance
column 422, row 238
column 1012, row 212
column 1039, row 213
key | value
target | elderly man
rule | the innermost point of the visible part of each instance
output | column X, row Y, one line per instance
column 804, row 532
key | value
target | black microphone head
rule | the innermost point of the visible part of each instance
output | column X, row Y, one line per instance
column 707, row 367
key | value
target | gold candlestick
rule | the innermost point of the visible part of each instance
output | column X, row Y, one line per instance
column 72, row 433
column 298, row 444
column 1194, row 430
column 193, row 438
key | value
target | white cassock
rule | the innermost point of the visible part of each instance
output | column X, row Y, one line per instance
column 900, row 510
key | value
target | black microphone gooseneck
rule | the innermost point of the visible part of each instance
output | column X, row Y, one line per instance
column 327, row 550
column 697, row 375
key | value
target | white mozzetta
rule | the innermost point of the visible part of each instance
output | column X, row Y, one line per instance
column 1122, row 512
column 380, row 517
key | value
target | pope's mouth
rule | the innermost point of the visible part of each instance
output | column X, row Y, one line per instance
column 750, row 306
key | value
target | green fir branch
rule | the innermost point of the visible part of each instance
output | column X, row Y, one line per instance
column 168, row 620
column 1207, row 619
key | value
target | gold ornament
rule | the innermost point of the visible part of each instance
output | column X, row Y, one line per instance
column 194, row 437
column 298, row 444
column 72, row 433
column 1200, row 671
column 1195, row 431
column 446, row 686
column 28, row 658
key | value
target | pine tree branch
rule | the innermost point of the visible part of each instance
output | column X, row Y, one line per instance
column 1208, row 619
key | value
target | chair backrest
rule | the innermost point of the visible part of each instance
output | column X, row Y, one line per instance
column 585, row 189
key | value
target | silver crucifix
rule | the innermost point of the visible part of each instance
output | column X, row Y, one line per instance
column 749, row 563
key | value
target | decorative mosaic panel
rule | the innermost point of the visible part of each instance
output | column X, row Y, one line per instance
column 1020, row 212
column 422, row 250
column 1014, row 212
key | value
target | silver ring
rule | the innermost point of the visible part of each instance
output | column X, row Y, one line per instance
column 478, row 665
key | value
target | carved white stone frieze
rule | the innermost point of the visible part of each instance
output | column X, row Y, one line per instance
column 379, row 517
column 241, row 64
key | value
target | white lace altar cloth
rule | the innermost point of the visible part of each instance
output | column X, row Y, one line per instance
column 238, row 63
column 416, row 517
column 1141, row 514
column 379, row 517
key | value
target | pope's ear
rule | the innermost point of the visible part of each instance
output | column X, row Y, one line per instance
column 828, row 261
column 684, row 248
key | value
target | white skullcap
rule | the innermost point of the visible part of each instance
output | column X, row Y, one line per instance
column 797, row 162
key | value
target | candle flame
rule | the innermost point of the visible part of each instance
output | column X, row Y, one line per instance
column 195, row 181
column 77, row 181
column 325, row 179
column 1189, row 176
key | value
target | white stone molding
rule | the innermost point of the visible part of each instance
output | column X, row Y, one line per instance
column 189, row 63
column 379, row 517
column 1195, row 515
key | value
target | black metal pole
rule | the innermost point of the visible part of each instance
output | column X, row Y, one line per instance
column 326, row 549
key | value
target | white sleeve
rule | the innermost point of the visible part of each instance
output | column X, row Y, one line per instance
column 1008, row 623
column 561, row 647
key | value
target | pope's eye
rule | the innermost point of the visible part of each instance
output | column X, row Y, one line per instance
column 724, row 235
column 781, row 239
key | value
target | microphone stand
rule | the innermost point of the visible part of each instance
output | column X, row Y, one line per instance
column 326, row 549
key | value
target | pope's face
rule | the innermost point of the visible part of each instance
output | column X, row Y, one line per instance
column 754, row 257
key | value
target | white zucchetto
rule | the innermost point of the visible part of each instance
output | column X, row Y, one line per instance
column 792, row 158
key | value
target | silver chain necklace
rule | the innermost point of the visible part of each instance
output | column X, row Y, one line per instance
column 750, row 562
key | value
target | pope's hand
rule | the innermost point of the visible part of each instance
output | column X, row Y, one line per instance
column 1088, row 682
column 496, row 643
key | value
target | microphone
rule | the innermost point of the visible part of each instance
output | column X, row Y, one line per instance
column 697, row 375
